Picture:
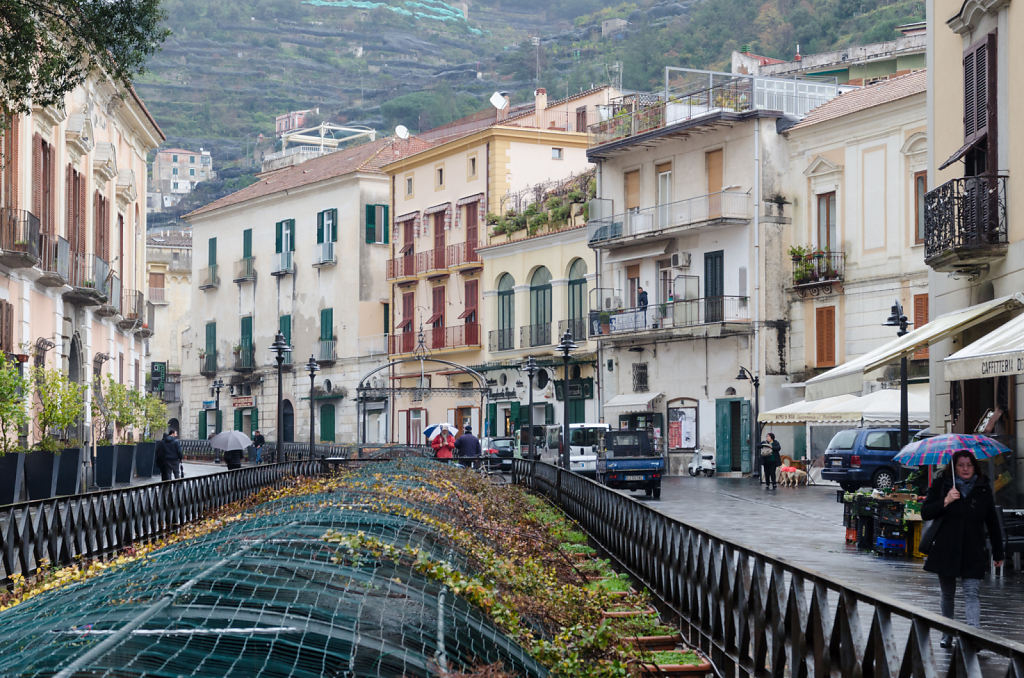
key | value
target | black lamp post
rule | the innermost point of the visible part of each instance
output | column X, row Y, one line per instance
column 756, row 440
column 217, row 385
column 566, row 346
column 280, row 347
column 312, row 367
column 529, row 366
column 897, row 319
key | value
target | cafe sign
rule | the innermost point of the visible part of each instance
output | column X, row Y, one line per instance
column 239, row 402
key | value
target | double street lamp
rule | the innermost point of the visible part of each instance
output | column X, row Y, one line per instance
column 565, row 347
column 216, row 386
column 529, row 366
column 312, row 367
column 898, row 319
column 756, row 431
column 280, row 348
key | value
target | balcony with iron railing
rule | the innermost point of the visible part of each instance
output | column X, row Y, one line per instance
column 148, row 322
column 245, row 270
column 327, row 350
column 284, row 263
column 503, row 339
column 818, row 272
column 431, row 262
column 437, row 338
column 323, row 254
column 535, row 335
column 374, row 345
column 245, row 357
column 209, row 277
column 112, row 290
column 462, row 255
column 86, row 284
column 577, row 327
column 965, row 224
column 208, row 363
column 158, row 295
column 401, row 267
column 56, row 260
column 615, row 230
column 402, row 342
column 132, row 307
column 674, row 315
column 19, row 238
column 704, row 97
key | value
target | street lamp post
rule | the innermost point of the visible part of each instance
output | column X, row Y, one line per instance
column 529, row 366
column 897, row 319
column 280, row 347
column 312, row 367
column 566, row 346
column 216, row 386
column 756, row 430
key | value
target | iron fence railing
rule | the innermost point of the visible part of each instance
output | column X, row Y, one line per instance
column 19, row 231
column 200, row 450
column 672, row 314
column 402, row 266
column 324, row 253
column 402, row 342
column 818, row 268
column 245, row 357
column 209, row 277
column 638, row 222
column 461, row 253
column 208, row 363
column 158, row 295
column 132, row 306
column 283, row 263
column 327, row 350
column 756, row 615
column 965, row 213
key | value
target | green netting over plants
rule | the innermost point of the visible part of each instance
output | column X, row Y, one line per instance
column 266, row 594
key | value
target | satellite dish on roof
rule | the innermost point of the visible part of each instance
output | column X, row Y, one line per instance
column 402, row 132
column 498, row 101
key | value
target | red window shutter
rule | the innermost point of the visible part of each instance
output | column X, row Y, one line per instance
column 920, row 320
column 825, row 333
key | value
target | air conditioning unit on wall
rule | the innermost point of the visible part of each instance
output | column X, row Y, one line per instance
column 681, row 259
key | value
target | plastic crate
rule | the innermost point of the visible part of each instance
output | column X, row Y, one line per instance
column 848, row 515
column 892, row 532
column 865, row 532
column 840, row 496
column 851, row 535
column 890, row 512
column 890, row 546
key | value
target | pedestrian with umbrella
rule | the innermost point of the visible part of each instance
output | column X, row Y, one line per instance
column 961, row 504
column 442, row 438
column 233, row 444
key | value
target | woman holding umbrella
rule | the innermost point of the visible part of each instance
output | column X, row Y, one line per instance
column 962, row 499
column 442, row 439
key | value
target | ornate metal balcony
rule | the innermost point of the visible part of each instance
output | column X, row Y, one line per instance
column 56, row 261
column 131, row 310
column 502, row 340
column 208, row 363
column 245, row 358
column 965, row 223
column 19, row 238
column 535, row 335
column 818, row 273
column 87, row 279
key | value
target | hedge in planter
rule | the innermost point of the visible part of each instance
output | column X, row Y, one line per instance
column 13, row 416
column 59, row 406
column 153, row 417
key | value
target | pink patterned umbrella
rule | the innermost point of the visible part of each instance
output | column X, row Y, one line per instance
column 941, row 448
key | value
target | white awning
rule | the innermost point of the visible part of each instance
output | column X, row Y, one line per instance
column 999, row 352
column 849, row 377
column 632, row 402
column 800, row 411
column 879, row 407
column 638, row 252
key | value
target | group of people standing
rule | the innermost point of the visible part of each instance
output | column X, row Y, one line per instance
column 445, row 445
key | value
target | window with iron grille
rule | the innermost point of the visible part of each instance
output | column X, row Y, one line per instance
column 639, row 377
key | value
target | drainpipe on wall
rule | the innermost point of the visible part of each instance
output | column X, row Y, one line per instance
column 756, row 296
column 597, row 283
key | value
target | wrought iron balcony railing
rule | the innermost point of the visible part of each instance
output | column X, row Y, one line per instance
column 535, row 335
column 283, row 263
column 650, row 220
column 209, row 277
column 965, row 222
column 672, row 315
column 245, row 269
column 503, row 339
column 208, row 363
column 327, row 350
column 19, row 237
column 577, row 327
column 323, row 253
column 158, row 295
column 56, row 260
column 245, row 357
column 818, row 269
column 403, row 342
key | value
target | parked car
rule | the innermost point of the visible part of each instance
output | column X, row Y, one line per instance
column 856, row 457
column 499, row 452
column 629, row 461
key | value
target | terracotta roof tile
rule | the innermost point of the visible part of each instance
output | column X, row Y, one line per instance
column 866, row 97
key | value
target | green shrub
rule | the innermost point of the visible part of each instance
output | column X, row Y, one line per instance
column 554, row 202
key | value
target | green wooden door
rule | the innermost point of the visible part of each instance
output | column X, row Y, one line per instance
column 211, row 338
column 800, row 442
column 326, row 324
column 745, row 433
column 202, row 425
column 514, row 414
column 247, row 243
column 327, row 423
column 246, row 334
column 723, row 434
column 238, row 420
column 212, row 252
column 492, row 419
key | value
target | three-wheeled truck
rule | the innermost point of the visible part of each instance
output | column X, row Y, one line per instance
column 630, row 462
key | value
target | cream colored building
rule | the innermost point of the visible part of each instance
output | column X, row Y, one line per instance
column 301, row 251
column 72, row 248
column 855, row 192
column 441, row 198
column 169, row 271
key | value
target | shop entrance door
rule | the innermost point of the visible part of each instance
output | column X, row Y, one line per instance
column 732, row 434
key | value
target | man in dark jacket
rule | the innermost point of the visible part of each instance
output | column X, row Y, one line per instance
column 257, row 444
column 468, row 445
column 168, row 456
column 962, row 499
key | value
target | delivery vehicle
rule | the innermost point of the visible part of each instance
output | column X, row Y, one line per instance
column 586, row 439
column 582, row 458
column 856, row 457
column 630, row 462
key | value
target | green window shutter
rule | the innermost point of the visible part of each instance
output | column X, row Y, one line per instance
column 319, row 227
column 246, row 331
column 278, row 236
column 745, row 441
column 326, row 324
column 212, row 252
column 291, row 233
column 211, row 338
column 202, row 425
column 327, row 423
column 220, row 421
column 286, row 328
column 238, row 419
column 334, row 224
column 387, row 223
column 492, row 419
column 549, row 413
column 247, row 243
column 514, row 413
column 371, row 226
column 254, row 422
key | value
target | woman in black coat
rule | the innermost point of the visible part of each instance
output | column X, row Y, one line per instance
column 963, row 498
column 772, row 461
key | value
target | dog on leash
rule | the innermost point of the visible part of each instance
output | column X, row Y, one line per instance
column 791, row 476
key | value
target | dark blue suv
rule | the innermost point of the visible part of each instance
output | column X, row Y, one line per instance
column 863, row 456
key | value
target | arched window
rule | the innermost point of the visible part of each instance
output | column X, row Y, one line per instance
column 540, row 308
column 506, row 312
column 577, row 299
column 327, row 423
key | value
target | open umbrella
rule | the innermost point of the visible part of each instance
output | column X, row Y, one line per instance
column 941, row 448
column 435, row 430
column 230, row 440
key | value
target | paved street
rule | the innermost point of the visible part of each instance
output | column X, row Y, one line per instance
column 804, row 526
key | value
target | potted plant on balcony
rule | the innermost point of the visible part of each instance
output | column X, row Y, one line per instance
column 797, row 252
column 802, row 271
column 14, row 389
column 53, row 465
column 605, row 319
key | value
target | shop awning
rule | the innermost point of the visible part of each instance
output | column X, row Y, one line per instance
column 999, row 352
column 879, row 407
column 849, row 377
column 800, row 411
column 640, row 252
column 632, row 402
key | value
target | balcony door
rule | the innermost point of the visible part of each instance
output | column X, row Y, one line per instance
column 632, row 198
column 713, row 167
column 540, row 307
column 407, row 248
column 437, row 317
column 471, row 231
column 664, row 186
column 439, row 240
column 828, row 237
column 714, row 286
column 577, row 298
column 506, row 312
column 246, row 343
column 408, row 335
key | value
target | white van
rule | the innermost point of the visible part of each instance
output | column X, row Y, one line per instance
column 583, row 449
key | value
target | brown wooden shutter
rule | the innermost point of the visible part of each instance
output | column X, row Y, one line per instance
column 970, row 99
column 632, row 190
column 920, row 320
column 11, row 147
column 69, row 205
column 825, row 333
column 979, row 88
column 6, row 327
column 80, row 181
column 37, row 174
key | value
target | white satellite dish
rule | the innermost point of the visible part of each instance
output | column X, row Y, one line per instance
column 498, row 101
column 402, row 132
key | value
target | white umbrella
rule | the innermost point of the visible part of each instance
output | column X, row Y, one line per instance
column 435, row 430
column 230, row 440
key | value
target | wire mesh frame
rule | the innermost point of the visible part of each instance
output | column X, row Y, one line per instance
column 758, row 615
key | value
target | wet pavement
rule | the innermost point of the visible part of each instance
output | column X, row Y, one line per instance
column 804, row 526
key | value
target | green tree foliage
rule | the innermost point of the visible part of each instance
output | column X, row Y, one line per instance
column 428, row 109
column 59, row 405
column 154, row 415
column 48, row 47
column 13, row 413
column 123, row 405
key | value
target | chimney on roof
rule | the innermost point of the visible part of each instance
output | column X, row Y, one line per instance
column 797, row 57
column 540, row 98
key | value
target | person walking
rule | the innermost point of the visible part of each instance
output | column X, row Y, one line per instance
column 168, row 456
column 443, row 444
column 963, row 500
column 257, row 447
column 468, row 446
column 771, row 459
column 233, row 458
